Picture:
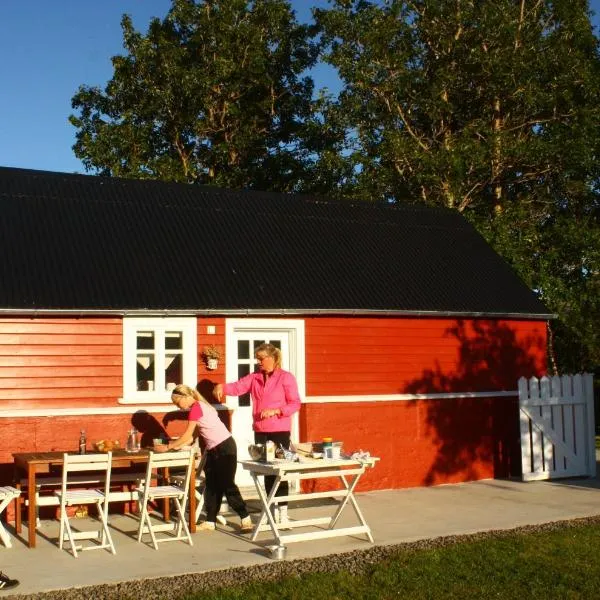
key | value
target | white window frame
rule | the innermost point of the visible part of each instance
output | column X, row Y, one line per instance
column 188, row 326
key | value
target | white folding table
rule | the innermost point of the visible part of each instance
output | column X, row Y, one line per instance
column 347, row 471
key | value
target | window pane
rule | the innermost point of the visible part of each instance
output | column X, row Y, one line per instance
column 244, row 399
column 243, row 349
column 174, row 371
column 145, row 340
column 173, row 340
column 257, row 343
column 145, row 372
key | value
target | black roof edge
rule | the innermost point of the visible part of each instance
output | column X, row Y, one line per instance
column 269, row 312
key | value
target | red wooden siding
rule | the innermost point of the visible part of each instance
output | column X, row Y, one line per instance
column 424, row 442
column 400, row 355
column 207, row 379
column 61, row 362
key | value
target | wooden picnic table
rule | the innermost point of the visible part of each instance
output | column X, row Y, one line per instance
column 32, row 464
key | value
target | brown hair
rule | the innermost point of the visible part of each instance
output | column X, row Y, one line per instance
column 270, row 350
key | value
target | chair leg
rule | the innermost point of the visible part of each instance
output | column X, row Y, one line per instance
column 3, row 533
column 182, row 522
column 142, row 513
column 106, row 537
column 65, row 517
column 61, row 533
column 199, row 503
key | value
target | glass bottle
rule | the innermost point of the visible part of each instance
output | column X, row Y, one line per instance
column 82, row 442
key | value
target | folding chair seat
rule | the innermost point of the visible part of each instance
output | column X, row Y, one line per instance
column 77, row 463
column 148, row 493
column 7, row 495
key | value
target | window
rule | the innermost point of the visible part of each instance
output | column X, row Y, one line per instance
column 158, row 354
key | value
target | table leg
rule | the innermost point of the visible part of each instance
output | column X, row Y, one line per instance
column 266, row 512
column 349, row 497
column 192, row 502
column 18, row 523
column 32, row 509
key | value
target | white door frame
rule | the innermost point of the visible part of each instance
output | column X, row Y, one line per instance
column 294, row 329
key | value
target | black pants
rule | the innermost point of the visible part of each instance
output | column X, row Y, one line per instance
column 280, row 438
column 220, row 468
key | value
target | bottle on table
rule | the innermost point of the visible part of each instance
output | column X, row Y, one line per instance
column 82, row 442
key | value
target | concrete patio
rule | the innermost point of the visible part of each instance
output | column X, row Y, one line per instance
column 395, row 517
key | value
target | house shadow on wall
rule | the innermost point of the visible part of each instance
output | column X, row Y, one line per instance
column 471, row 433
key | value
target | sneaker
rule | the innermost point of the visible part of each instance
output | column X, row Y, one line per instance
column 206, row 526
column 6, row 583
column 246, row 525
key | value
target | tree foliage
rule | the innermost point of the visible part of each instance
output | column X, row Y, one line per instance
column 488, row 108
column 213, row 93
column 492, row 109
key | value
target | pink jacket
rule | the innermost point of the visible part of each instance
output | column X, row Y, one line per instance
column 280, row 391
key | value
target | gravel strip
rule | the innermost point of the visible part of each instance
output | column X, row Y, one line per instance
column 356, row 562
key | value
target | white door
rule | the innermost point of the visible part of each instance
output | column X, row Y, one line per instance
column 243, row 336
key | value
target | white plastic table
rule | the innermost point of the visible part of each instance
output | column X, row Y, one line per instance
column 347, row 471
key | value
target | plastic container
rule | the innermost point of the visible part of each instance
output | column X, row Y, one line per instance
column 336, row 450
column 327, row 447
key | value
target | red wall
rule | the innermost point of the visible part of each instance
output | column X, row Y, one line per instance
column 71, row 362
column 422, row 442
column 60, row 362
column 416, row 355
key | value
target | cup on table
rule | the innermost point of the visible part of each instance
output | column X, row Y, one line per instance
column 157, row 443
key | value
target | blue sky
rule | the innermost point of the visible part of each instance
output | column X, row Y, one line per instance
column 51, row 47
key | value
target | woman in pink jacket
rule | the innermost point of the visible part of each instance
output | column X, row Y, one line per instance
column 275, row 399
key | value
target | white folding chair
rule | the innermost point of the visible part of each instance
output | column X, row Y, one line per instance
column 7, row 495
column 77, row 463
column 151, row 493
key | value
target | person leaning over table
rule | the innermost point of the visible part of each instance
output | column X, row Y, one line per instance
column 221, row 456
column 275, row 399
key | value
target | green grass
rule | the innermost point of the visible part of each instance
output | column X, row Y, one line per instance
column 563, row 563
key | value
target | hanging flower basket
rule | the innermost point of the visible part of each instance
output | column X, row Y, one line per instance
column 211, row 355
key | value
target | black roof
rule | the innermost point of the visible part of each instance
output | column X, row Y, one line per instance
column 90, row 243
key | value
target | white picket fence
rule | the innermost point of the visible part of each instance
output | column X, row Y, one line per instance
column 557, row 426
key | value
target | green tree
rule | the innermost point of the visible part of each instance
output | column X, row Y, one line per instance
column 492, row 109
column 213, row 93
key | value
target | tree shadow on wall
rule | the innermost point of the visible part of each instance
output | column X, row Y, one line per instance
column 470, row 433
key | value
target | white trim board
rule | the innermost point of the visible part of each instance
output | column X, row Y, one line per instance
column 161, row 408
column 405, row 397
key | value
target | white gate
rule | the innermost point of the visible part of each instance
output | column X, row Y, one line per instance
column 557, row 426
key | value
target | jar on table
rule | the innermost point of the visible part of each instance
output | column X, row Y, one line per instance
column 327, row 447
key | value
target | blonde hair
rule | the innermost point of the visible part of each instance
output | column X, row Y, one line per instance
column 189, row 392
column 270, row 350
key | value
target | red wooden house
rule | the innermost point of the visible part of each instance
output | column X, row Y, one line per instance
column 406, row 332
